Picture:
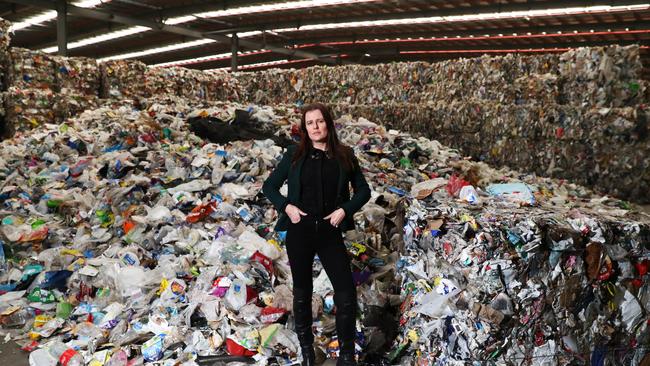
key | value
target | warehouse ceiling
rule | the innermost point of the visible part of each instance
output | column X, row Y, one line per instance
column 199, row 34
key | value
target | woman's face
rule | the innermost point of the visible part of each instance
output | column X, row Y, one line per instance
column 316, row 126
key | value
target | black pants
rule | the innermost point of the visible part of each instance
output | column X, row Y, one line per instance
column 304, row 240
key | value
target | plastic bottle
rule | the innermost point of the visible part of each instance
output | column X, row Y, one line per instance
column 236, row 295
column 42, row 357
column 15, row 320
column 65, row 355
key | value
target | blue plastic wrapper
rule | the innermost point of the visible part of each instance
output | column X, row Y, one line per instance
column 56, row 279
column 328, row 304
column 518, row 192
column 3, row 260
column 397, row 191
column 31, row 270
column 152, row 350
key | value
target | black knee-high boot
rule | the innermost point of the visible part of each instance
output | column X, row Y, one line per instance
column 346, row 314
column 303, row 320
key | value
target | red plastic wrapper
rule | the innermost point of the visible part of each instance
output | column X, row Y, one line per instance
column 66, row 356
column 36, row 235
column 606, row 270
column 271, row 314
column 642, row 267
column 264, row 260
column 127, row 226
column 200, row 212
column 235, row 349
column 251, row 294
column 455, row 184
column 30, row 346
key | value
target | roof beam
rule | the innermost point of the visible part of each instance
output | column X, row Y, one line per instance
column 158, row 26
column 504, row 46
column 62, row 27
column 478, row 32
column 345, row 42
column 493, row 8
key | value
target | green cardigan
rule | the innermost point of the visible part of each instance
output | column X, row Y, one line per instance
column 286, row 172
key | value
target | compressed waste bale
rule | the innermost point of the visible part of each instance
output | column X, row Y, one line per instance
column 606, row 76
column 161, row 81
column 5, row 39
column 27, row 108
column 5, row 64
column 3, row 114
column 30, row 69
column 69, row 105
column 5, row 36
column 192, row 84
column 187, row 83
column 123, row 79
column 534, row 89
column 555, row 140
column 222, row 86
column 77, row 75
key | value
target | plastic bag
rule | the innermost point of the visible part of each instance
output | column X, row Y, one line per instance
column 455, row 184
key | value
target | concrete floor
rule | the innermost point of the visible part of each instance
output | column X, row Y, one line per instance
column 10, row 354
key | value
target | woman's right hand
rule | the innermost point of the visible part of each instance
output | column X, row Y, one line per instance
column 294, row 213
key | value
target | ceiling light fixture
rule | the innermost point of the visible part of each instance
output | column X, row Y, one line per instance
column 51, row 15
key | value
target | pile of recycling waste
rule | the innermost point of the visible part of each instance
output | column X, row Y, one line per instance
column 129, row 239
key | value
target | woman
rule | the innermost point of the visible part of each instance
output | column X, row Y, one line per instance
column 317, row 209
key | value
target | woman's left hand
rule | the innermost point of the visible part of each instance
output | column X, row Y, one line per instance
column 336, row 217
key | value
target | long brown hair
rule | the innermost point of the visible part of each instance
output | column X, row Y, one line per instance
column 341, row 152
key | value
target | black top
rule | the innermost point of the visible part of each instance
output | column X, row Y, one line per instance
column 318, row 180
column 283, row 173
